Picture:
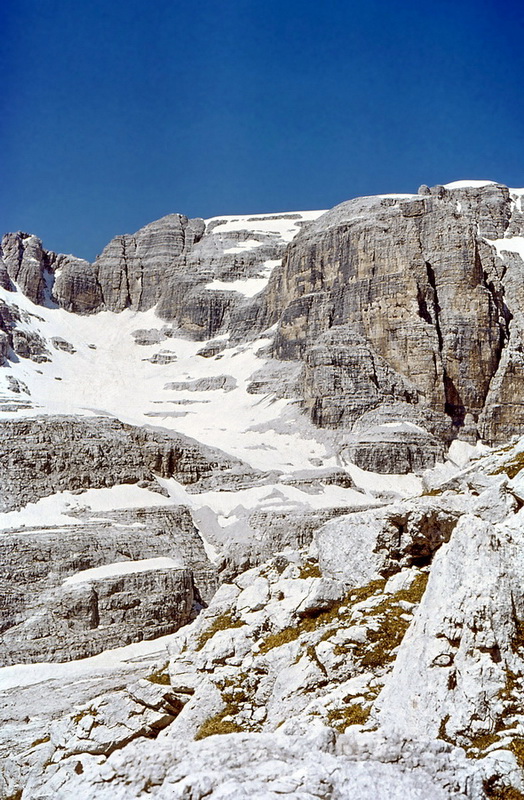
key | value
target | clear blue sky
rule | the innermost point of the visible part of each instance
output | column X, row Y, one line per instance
column 116, row 112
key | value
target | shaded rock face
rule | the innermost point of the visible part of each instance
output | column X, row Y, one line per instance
column 43, row 455
column 132, row 270
column 15, row 341
column 167, row 264
column 27, row 264
column 398, row 299
column 465, row 647
column 365, row 545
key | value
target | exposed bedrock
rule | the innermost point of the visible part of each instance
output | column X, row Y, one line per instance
column 106, row 581
column 422, row 301
column 168, row 264
column 43, row 455
column 382, row 300
column 84, row 619
column 464, row 648
column 365, row 545
column 24, row 262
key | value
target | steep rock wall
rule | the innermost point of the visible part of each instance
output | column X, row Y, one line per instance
column 412, row 280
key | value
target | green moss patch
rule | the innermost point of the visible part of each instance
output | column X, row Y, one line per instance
column 351, row 713
column 234, row 694
column 161, row 676
column 390, row 623
column 310, row 569
column 43, row 740
column 86, row 712
column 221, row 623
column 217, row 725
column 512, row 467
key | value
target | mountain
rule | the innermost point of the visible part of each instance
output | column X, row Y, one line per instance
column 261, row 505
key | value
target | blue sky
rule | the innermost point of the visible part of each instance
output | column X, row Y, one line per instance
column 116, row 113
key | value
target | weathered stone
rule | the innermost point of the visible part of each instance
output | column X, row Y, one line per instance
column 76, row 287
column 61, row 344
column 417, row 285
column 43, row 455
column 225, row 382
column 365, row 545
column 27, row 264
column 62, row 605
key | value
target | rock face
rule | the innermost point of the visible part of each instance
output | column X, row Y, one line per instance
column 15, row 341
column 86, row 617
column 420, row 672
column 465, row 644
column 105, row 581
column 384, row 300
column 308, row 625
column 42, row 455
column 389, row 299
column 368, row 545
column 76, row 287
column 132, row 271
column 27, row 264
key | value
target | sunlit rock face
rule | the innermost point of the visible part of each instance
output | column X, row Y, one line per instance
column 415, row 286
column 409, row 299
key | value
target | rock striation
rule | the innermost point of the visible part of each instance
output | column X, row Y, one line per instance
column 420, row 671
column 298, row 619
column 43, row 455
column 389, row 299
column 382, row 300
column 104, row 581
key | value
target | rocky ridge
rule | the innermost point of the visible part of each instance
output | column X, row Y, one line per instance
column 396, row 299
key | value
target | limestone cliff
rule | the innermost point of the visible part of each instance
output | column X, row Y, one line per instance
column 409, row 282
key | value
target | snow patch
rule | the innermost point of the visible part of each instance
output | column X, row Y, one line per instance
column 58, row 509
column 514, row 244
column 468, row 184
column 122, row 568
column 249, row 244
column 286, row 224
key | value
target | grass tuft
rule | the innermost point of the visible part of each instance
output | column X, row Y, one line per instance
column 221, row 623
column 349, row 714
column 160, row 676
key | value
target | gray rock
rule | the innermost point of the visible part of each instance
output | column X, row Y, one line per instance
column 365, row 545
column 224, row 382
column 395, row 271
column 43, row 455
column 61, row 344
column 46, row 617
column 27, row 264
column 28, row 344
column 76, row 286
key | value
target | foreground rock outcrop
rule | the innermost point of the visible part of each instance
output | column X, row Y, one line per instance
column 406, row 677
